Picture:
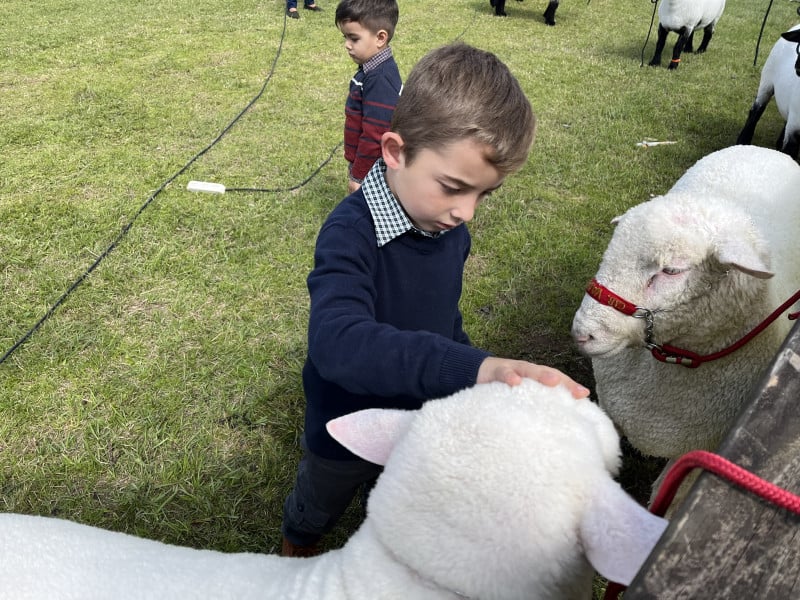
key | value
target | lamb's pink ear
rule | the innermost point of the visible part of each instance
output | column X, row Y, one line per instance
column 371, row 433
column 617, row 533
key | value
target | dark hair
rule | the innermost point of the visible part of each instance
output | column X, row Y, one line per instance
column 459, row 92
column 371, row 14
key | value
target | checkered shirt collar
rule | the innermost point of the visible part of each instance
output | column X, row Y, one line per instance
column 390, row 219
column 376, row 60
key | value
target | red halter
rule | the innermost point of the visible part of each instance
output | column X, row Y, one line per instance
column 670, row 354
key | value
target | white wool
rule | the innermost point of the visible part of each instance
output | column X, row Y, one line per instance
column 690, row 16
column 493, row 493
column 779, row 79
column 722, row 230
column 694, row 14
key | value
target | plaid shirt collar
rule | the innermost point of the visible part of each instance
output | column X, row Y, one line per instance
column 391, row 221
column 376, row 60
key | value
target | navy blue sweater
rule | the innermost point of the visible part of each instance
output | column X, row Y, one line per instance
column 385, row 329
column 374, row 91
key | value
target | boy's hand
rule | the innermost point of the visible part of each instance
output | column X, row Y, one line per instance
column 352, row 186
column 513, row 371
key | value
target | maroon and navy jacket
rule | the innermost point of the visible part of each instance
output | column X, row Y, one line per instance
column 374, row 91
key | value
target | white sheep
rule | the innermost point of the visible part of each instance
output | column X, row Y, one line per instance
column 780, row 77
column 493, row 493
column 711, row 259
column 684, row 17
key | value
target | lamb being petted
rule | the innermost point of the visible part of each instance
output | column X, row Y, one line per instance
column 495, row 492
column 709, row 260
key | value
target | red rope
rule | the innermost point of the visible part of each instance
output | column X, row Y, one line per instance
column 727, row 470
column 723, row 468
column 678, row 356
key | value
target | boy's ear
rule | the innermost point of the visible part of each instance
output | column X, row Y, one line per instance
column 383, row 38
column 392, row 149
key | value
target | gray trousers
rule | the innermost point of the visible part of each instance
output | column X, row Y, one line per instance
column 322, row 492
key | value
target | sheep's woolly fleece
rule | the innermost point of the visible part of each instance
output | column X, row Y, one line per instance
column 711, row 259
column 676, row 14
column 493, row 493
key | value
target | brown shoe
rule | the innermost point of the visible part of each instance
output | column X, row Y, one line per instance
column 290, row 549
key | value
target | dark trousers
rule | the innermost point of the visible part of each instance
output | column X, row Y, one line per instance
column 322, row 492
column 293, row 3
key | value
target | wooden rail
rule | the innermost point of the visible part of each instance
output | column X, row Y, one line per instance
column 724, row 542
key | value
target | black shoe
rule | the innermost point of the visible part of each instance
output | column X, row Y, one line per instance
column 313, row 7
column 293, row 14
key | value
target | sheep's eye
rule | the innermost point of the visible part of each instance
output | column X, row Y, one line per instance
column 669, row 271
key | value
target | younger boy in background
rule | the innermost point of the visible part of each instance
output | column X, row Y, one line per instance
column 385, row 329
column 368, row 27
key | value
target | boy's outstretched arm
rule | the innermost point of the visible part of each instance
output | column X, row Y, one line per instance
column 513, row 371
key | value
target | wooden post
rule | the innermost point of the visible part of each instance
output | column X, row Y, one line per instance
column 724, row 542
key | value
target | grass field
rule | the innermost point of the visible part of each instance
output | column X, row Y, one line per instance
column 161, row 396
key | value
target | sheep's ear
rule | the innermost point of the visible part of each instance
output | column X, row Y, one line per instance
column 616, row 219
column 741, row 256
column 617, row 533
column 372, row 433
column 792, row 36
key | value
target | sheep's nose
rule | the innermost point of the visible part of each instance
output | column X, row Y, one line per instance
column 580, row 337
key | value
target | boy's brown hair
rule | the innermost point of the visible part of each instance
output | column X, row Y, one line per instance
column 371, row 14
column 457, row 92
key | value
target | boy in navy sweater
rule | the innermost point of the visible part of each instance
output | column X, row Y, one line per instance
column 385, row 330
column 368, row 27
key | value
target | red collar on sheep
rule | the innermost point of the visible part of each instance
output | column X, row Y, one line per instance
column 605, row 296
column 670, row 354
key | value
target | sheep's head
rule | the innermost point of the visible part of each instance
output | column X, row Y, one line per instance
column 694, row 262
column 491, row 491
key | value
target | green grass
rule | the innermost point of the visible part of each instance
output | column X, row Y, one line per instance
column 163, row 398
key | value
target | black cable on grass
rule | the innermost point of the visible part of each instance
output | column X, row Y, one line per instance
column 468, row 27
column 147, row 203
column 294, row 187
column 760, row 33
column 161, row 188
column 649, row 31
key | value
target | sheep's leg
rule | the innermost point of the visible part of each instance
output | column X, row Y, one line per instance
column 791, row 142
column 779, row 141
column 683, row 36
column 550, row 12
column 660, row 42
column 746, row 135
column 500, row 8
column 708, row 31
column 689, row 47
